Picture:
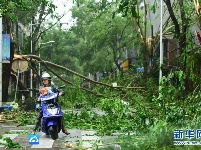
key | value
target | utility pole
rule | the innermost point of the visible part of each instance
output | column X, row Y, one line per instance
column 39, row 72
column 31, row 71
column 161, row 44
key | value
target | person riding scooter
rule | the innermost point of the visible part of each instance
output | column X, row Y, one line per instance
column 47, row 87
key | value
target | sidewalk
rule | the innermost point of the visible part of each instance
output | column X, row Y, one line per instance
column 88, row 140
column 80, row 139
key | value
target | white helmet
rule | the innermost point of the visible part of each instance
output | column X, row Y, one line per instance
column 46, row 76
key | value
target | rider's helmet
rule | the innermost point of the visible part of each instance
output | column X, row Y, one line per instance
column 46, row 76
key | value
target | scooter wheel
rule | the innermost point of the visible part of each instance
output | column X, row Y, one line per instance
column 53, row 132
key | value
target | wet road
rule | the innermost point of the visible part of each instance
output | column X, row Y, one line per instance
column 86, row 139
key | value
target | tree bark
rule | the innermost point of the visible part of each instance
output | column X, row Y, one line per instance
column 35, row 58
column 180, row 35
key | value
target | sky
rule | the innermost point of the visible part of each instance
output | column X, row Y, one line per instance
column 61, row 9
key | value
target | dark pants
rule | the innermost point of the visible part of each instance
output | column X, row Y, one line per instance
column 39, row 115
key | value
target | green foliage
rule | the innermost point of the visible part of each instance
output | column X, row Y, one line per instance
column 75, row 96
column 14, row 9
column 9, row 143
column 159, row 135
column 154, row 7
column 113, row 107
column 20, row 116
column 129, row 6
column 169, row 97
column 109, row 115
column 114, row 113
column 8, row 8
column 102, row 39
column 64, row 51
column 181, row 77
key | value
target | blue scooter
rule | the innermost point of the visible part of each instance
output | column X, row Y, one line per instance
column 52, row 115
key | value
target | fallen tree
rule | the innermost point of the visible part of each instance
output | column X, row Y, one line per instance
column 47, row 64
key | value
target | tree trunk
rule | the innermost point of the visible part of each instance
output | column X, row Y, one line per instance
column 180, row 33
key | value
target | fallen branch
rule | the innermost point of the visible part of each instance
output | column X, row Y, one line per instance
column 36, row 58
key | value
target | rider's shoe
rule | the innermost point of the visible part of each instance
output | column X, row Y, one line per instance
column 65, row 132
column 34, row 132
column 36, row 129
